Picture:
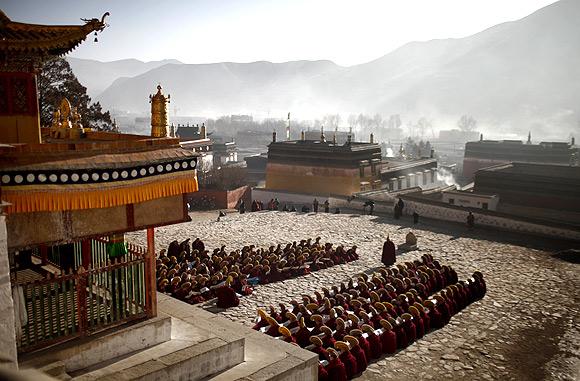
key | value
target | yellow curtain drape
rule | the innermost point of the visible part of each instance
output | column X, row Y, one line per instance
column 65, row 199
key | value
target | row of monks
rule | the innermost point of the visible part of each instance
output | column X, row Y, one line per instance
column 190, row 273
column 352, row 324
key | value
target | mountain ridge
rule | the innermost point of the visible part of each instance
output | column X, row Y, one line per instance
column 515, row 74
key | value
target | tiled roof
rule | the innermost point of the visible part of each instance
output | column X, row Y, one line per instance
column 18, row 37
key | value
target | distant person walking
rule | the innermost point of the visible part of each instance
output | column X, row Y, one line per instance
column 470, row 220
column 326, row 206
column 315, row 205
column 242, row 207
column 415, row 217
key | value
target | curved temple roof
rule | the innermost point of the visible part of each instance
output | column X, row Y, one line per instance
column 18, row 38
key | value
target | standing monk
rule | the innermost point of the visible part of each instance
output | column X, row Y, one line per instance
column 470, row 220
column 388, row 257
column 315, row 205
column 326, row 206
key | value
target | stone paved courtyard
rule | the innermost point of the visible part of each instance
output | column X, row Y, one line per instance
column 526, row 327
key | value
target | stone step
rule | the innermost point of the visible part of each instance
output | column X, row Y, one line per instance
column 270, row 359
column 172, row 360
column 54, row 369
column 113, row 343
column 265, row 357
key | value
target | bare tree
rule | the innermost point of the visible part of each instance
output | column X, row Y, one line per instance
column 423, row 125
column 467, row 123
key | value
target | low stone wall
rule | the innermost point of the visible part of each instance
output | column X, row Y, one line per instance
column 440, row 211
column 335, row 201
column 289, row 198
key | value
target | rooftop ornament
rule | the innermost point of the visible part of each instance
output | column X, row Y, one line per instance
column 159, row 113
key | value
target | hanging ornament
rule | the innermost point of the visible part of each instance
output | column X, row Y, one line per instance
column 96, row 39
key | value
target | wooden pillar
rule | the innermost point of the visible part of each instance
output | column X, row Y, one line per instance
column 150, row 279
column 81, row 289
column 44, row 254
column 86, row 253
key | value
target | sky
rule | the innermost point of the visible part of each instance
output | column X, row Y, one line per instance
column 208, row 31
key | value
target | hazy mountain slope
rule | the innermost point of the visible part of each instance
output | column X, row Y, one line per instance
column 517, row 74
column 224, row 87
column 523, row 72
column 97, row 76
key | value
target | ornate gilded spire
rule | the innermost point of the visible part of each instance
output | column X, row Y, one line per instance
column 159, row 113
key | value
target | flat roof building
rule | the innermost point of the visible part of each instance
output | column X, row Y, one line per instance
column 319, row 166
column 485, row 153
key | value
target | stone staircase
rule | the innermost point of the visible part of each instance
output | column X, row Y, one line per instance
column 183, row 342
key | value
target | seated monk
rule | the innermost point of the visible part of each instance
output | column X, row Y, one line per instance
column 410, row 327
column 418, row 320
column 388, row 338
column 303, row 334
column 293, row 320
column 363, row 342
column 318, row 348
column 335, row 368
column 399, row 328
column 226, row 295
column 273, row 328
column 327, row 339
column 424, row 316
column 357, row 352
column 349, row 361
column 374, row 342
column 287, row 335
column 340, row 330
column 435, row 317
column 262, row 320
column 443, row 308
column 318, row 323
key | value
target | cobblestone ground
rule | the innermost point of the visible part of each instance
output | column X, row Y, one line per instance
column 526, row 327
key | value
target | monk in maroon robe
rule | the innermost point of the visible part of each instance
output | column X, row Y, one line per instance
column 388, row 338
column 374, row 342
column 349, row 361
column 335, row 368
column 388, row 257
column 226, row 296
column 358, row 353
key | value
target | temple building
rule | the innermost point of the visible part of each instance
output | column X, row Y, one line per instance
column 535, row 190
column 196, row 139
column 323, row 167
column 68, row 196
column 486, row 153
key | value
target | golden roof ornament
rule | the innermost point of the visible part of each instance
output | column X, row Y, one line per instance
column 159, row 113
column 56, row 119
column 76, row 119
column 65, row 110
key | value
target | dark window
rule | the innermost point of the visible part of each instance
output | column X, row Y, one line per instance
column 452, row 201
column 484, row 205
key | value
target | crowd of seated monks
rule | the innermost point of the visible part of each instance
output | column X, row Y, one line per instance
column 355, row 323
column 191, row 273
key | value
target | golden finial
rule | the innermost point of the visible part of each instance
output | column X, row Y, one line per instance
column 159, row 113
